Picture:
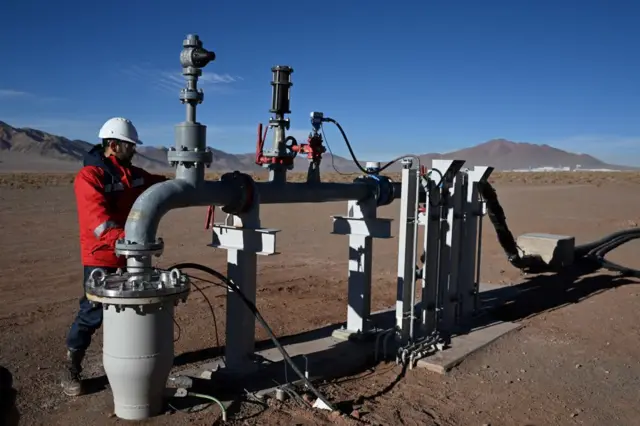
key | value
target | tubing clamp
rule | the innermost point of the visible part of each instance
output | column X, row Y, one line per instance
column 245, row 187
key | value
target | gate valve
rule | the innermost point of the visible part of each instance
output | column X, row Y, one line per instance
column 263, row 159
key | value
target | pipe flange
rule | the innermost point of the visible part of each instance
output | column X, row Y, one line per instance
column 245, row 186
column 150, row 286
column 194, row 156
column 131, row 249
column 187, row 95
column 384, row 192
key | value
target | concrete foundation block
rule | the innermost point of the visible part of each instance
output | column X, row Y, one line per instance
column 555, row 250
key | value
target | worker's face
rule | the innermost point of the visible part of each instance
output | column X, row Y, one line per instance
column 124, row 151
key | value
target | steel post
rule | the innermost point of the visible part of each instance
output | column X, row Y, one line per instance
column 359, row 273
column 454, row 239
column 361, row 225
column 431, row 250
column 243, row 239
column 448, row 169
column 407, row 235
column 469, row 259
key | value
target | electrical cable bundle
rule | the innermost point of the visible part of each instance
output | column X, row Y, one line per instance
column 597, row 250
column 591, row 253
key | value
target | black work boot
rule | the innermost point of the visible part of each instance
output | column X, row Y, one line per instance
column 71, row 384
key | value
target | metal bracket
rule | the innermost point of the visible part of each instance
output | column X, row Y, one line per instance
column 260, row 241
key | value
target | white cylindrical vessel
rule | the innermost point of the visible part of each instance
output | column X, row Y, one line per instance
column 138, row 356
column 137, row 351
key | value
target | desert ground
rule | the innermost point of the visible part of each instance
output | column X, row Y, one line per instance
column 575, row 361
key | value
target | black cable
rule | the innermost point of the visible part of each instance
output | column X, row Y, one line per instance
column 179, row 329
column 213, row 313
column 584, row 249
column 333, row 164
column 232, row 286
column 353, row 155
column 610, row 242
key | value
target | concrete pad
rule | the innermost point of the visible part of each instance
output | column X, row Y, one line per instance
column 325, row 354
column 464, row 345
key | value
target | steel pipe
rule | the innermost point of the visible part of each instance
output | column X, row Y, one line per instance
column 155, row 202
column 278, row 193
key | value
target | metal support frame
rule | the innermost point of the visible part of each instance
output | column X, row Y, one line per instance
column 362, row 225
column 407, row 237
column 435, row 219
column 451, row 217
column 451, row 220
column 449, row 285
column 470, row 259
column 243, row 238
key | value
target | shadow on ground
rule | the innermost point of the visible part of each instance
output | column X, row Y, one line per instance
column 543, row 293
column 537, row 294
column 9, row 415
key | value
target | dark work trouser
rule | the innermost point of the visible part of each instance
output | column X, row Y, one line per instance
column 88, row 319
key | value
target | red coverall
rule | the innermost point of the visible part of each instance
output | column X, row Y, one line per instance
column 105, row 192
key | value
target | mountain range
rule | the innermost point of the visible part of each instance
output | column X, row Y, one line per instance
column 25, row 149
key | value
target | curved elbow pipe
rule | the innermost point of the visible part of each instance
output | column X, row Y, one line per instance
column 156, row 201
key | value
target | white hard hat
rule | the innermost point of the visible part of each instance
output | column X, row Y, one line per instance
column 121, row 129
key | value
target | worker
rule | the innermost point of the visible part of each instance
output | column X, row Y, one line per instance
column 105, row 189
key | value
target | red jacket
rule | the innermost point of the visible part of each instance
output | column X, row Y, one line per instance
column 105, row 192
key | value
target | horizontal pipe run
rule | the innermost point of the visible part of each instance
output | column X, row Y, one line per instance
column 279, row 193
column 155, row 202
column 146, row 213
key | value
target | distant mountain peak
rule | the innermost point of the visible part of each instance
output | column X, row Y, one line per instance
column 37, row 150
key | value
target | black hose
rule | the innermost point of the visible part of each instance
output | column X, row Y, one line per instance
column 590, row 253
column 597, row 254
column 353, row 155
column 584, row 249
column 252, row 307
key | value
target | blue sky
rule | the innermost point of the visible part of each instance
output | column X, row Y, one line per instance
column 401, row 77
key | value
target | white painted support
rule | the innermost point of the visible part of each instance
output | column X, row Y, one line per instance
column 431, row 248
column 449, row 236
column 471, row 242
column 362, row 225
column 243, row 239
column 259, row 241
column 454, row 240
column 407, row 239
